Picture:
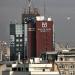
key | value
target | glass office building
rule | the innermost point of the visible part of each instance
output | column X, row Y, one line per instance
column 16, row 41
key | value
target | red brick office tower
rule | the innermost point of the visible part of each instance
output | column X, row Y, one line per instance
column 44, row 36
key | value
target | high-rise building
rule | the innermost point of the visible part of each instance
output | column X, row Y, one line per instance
column 16, row 41
column 44, row 35
column 32, row 37
column 40, row 36
column 28, row 22
column 22, row 37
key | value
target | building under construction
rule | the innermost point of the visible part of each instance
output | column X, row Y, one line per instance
column 39, row 36
column 29, row 25
column 38, row 32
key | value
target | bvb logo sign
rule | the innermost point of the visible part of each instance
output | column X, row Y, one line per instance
column 44, row 24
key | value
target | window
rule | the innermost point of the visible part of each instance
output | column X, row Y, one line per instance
column 22, row 69
column 20, row 40
column 14, row 69
column 27, row 69
column 71, row 66
column 17, row 40
column 21, row 45
column 71, row 73
column 61, row 66
column 17, row 45
column 18, row 29
column 19, row 69
column 17, row 35
column 62, row 73
column 17, row 49
column 43, row 70
column 12, row 38
column 20, row 35
column 66, row 65
column 61, row 59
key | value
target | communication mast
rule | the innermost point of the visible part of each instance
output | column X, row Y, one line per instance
column 44, row 8
column 27, row 8
column 29, row 5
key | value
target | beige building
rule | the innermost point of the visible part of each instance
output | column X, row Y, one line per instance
column 66, row 62
column 4, row 51
column 2, row 68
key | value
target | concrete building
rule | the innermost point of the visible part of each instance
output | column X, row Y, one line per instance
column 4, row 51
column 66, row 62
column 2, row 68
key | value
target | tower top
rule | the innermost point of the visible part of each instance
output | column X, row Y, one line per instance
column 29, row 1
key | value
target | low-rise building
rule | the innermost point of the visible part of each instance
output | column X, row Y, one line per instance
column 4, row 51
column 66, row 62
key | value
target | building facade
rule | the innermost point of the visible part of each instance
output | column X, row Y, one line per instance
column 16, row 41
column 44, row 36
column 66, row 62
column 21, row 36
column 4, row 51
column 39, row 35
column 29, row 25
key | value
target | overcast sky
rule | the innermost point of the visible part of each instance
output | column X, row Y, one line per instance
column 11, row 10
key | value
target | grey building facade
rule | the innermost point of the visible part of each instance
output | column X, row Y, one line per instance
column 16, row 41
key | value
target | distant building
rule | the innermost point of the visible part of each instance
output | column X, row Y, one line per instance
column 16, row 41
column 4, row 51
column 0, row 54
column 2, row 68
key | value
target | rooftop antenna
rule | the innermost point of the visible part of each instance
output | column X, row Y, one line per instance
column 44, row 8
column 29, row 5
column 25, row 8
column 67, row 45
